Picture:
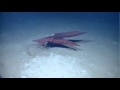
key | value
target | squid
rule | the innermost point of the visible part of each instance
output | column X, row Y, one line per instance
column 59, row 38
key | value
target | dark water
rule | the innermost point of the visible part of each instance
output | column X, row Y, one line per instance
column 14, row 20
column 18, row 28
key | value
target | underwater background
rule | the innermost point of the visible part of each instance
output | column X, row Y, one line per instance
column 98, row 55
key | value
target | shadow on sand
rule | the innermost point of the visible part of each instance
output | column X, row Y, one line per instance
column 52, row 45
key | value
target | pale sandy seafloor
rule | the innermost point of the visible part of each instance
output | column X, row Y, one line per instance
column 98, row 58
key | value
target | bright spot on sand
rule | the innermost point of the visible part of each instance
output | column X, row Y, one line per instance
column 53, row 66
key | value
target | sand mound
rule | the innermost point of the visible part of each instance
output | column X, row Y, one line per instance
column 32, row 49
column 53, row 66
